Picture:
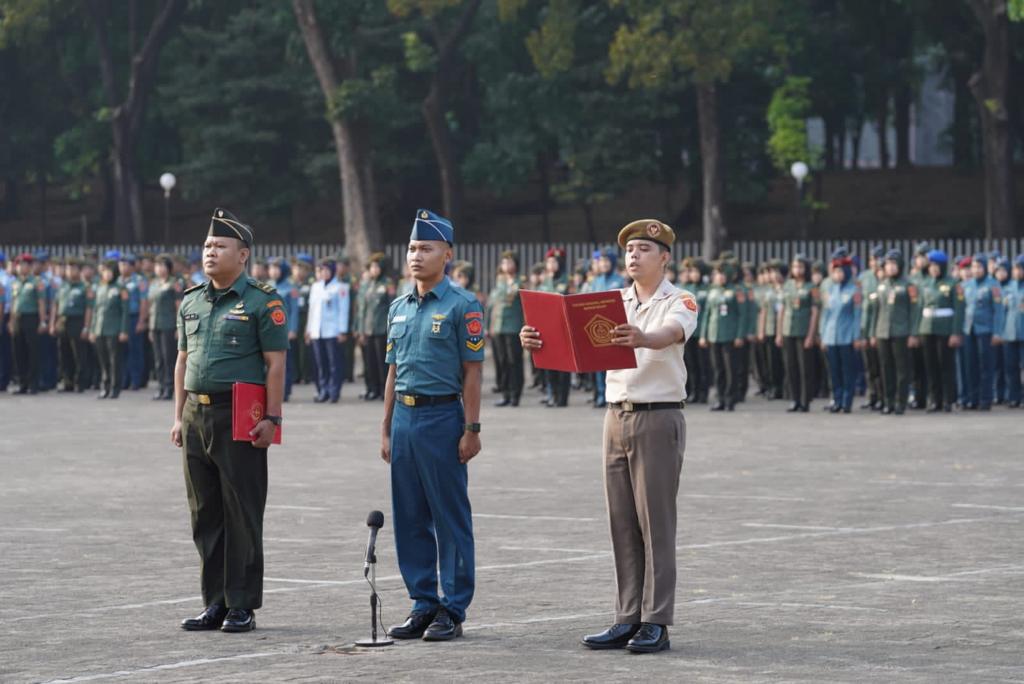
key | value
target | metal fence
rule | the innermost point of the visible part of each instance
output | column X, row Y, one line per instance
column 486, row 256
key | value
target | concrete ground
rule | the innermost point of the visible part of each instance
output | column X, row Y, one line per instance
column 812, row 547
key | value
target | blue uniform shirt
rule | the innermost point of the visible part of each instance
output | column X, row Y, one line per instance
column 6, row 280
column 138, row 289
column 430, row 338
column 1013, row 303
column 290, row 295
column 607, row 281
column 984, row 313
column 840, row 313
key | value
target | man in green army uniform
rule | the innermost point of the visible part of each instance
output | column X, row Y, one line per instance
column 698, row 359
column 374, row 298
column 230, row 329
column 894, row 328
column 27, row 321
column 70, row 321
column 723, row 330
column 942, row 319
column 868, row 280
column 505, row 319
column 918, row 372
column 111, row 325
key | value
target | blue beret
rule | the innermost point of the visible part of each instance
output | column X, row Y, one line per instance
column 42, row 255
column 429, row 226
column 127, row 257
column 598, row 253
column 304, row 257
column 995, row 254
column 937, row 256
column 112, row 254
column 3, row 257
column 1019, row 261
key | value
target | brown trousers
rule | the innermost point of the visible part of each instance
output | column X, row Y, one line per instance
column 643, row 457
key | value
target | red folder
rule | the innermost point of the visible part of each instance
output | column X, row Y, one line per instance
column 248, row 406
column 576, row 330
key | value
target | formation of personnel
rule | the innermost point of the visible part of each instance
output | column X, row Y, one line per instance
column 933, row 333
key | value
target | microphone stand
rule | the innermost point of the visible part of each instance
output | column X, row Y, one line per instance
column 370, row 572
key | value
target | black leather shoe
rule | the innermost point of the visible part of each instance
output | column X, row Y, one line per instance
column 794, row 407
column 211, row 618
column 718, row 407
column 650, row 639
column 443, row 628
column 515, row 402
column 103, row 395
column 239, row 620
column 413, row 627
column 503, row 402
column 886, row 410
column 616, row 636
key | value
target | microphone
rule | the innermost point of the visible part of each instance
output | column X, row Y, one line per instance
column 375, row 521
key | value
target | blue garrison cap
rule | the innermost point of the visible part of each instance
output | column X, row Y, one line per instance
column 840, row 253
column 304, row 257
column 42, row 255
column 112, row 254
column 127, row 257
column 981, row 257
column 1003, row 262
column 1019, row 261
column 430, row 226
column 3, row 257
column 937, row 256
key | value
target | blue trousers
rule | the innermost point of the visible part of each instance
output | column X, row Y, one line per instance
column 135, row 356
column 1013, row 360
column 330, row 366
column 842, row 366
column 961, row 373
column 979, row 370
column 6, row 361
column 289, row 370
column 430, row 505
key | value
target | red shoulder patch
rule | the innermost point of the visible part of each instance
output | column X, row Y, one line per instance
column 689, row 302
column 277, row 316
column 475, row 328
column 474, row 314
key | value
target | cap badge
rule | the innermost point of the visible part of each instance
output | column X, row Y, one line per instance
column 653, row 229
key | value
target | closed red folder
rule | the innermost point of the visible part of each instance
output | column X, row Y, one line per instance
column 248, row 406
column 576, row 330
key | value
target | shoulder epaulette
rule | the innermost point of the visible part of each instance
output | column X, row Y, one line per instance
column 193, row 288
column 269, row 289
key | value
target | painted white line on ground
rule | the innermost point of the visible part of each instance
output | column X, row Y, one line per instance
column 533, row 621
column 156, row 668
column 951, row 577
column 816, row 606
column 526, row 490
column 744, row 497
column 989, row 507
column 780, row 526
column 32, row 529
column 297, row 508
column 498, row 516
column 929, row 483
column 552, row 549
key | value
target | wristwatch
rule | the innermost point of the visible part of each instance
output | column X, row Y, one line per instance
column 473, row 427
column 276, row 420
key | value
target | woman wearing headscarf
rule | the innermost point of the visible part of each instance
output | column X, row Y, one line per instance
column 895, row 325
column 942, row 317
column 327, row 327
column 796, row 329
column 839, row 329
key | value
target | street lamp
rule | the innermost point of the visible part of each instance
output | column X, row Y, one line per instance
column 167, row 182
column 799, row 172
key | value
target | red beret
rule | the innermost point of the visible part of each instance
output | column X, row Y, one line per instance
column 24, row 256
column 556, row 252
column 964, row 263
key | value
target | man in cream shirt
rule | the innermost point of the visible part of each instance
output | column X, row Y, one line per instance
column 644, row 440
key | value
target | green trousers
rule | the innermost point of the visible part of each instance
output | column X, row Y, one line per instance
column 226, row 482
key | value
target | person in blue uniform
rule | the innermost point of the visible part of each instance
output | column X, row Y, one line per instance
column 839, row 328
column 6, row 280
column 983, row 321
column 280, row 277
column 431, row 430
column 606, row 279
column 138, row 320
column 1013, row 332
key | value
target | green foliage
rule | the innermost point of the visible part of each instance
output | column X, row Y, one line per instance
column 552, row 46
column 420, row 56
column 787, row 121
column 1016, row 10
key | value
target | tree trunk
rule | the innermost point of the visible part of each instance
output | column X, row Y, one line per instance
column 361, row 220
column 903, row 100
column 855, row 138
column 963, row 138
column 841, row 143
column 990, row 86
column 830, row 150
column 545, row 198
column 588, row 218
column 882, row 121
column 444, row 150
column 712, row 218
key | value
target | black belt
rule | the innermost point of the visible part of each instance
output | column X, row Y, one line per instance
column 653, row 406
column 209, row 399
column 415, row 400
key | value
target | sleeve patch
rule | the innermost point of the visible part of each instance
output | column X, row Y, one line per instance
column 474, row 314
column 475, row 346
column 689, row 302
column 274, row 302
column 475, row 328
column 277, row 316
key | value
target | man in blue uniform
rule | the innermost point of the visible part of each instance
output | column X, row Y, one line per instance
column 435, row 352
column 6, row 280
column 983, row 322
column 138, row 317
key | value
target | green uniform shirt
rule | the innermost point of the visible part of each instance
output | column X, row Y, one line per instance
column 551, row 284
column 226, row 334
column 110, row 314
column 771, row 304
column 73, row 299
column 727, row 313
column 700, row 293
column 163, row 303
column 899, row 309
column 374, row 301
column 798, row 301
column 750, row 294
column 28, row 295
column 942, row 307
column 505, row 310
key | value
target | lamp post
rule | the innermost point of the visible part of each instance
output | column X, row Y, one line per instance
column 167, row 182
column 799, row 171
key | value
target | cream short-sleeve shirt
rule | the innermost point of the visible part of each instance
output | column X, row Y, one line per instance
column 660, row 375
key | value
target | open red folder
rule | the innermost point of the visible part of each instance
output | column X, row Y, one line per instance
column 577, row 330
column 248, row 406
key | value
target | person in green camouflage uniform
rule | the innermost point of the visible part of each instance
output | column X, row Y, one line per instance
column 917, row 276
column 70, row 322
column 769, row 306
column 795, row 333
column 375, row 295
column 868, row 280
column 894, row 328
column 723, row 332
column 165, row 293
column 110, row 328
column 504, row 320
column 28, row 318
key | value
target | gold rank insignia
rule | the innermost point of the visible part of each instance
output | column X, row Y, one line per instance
column 424, row 215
